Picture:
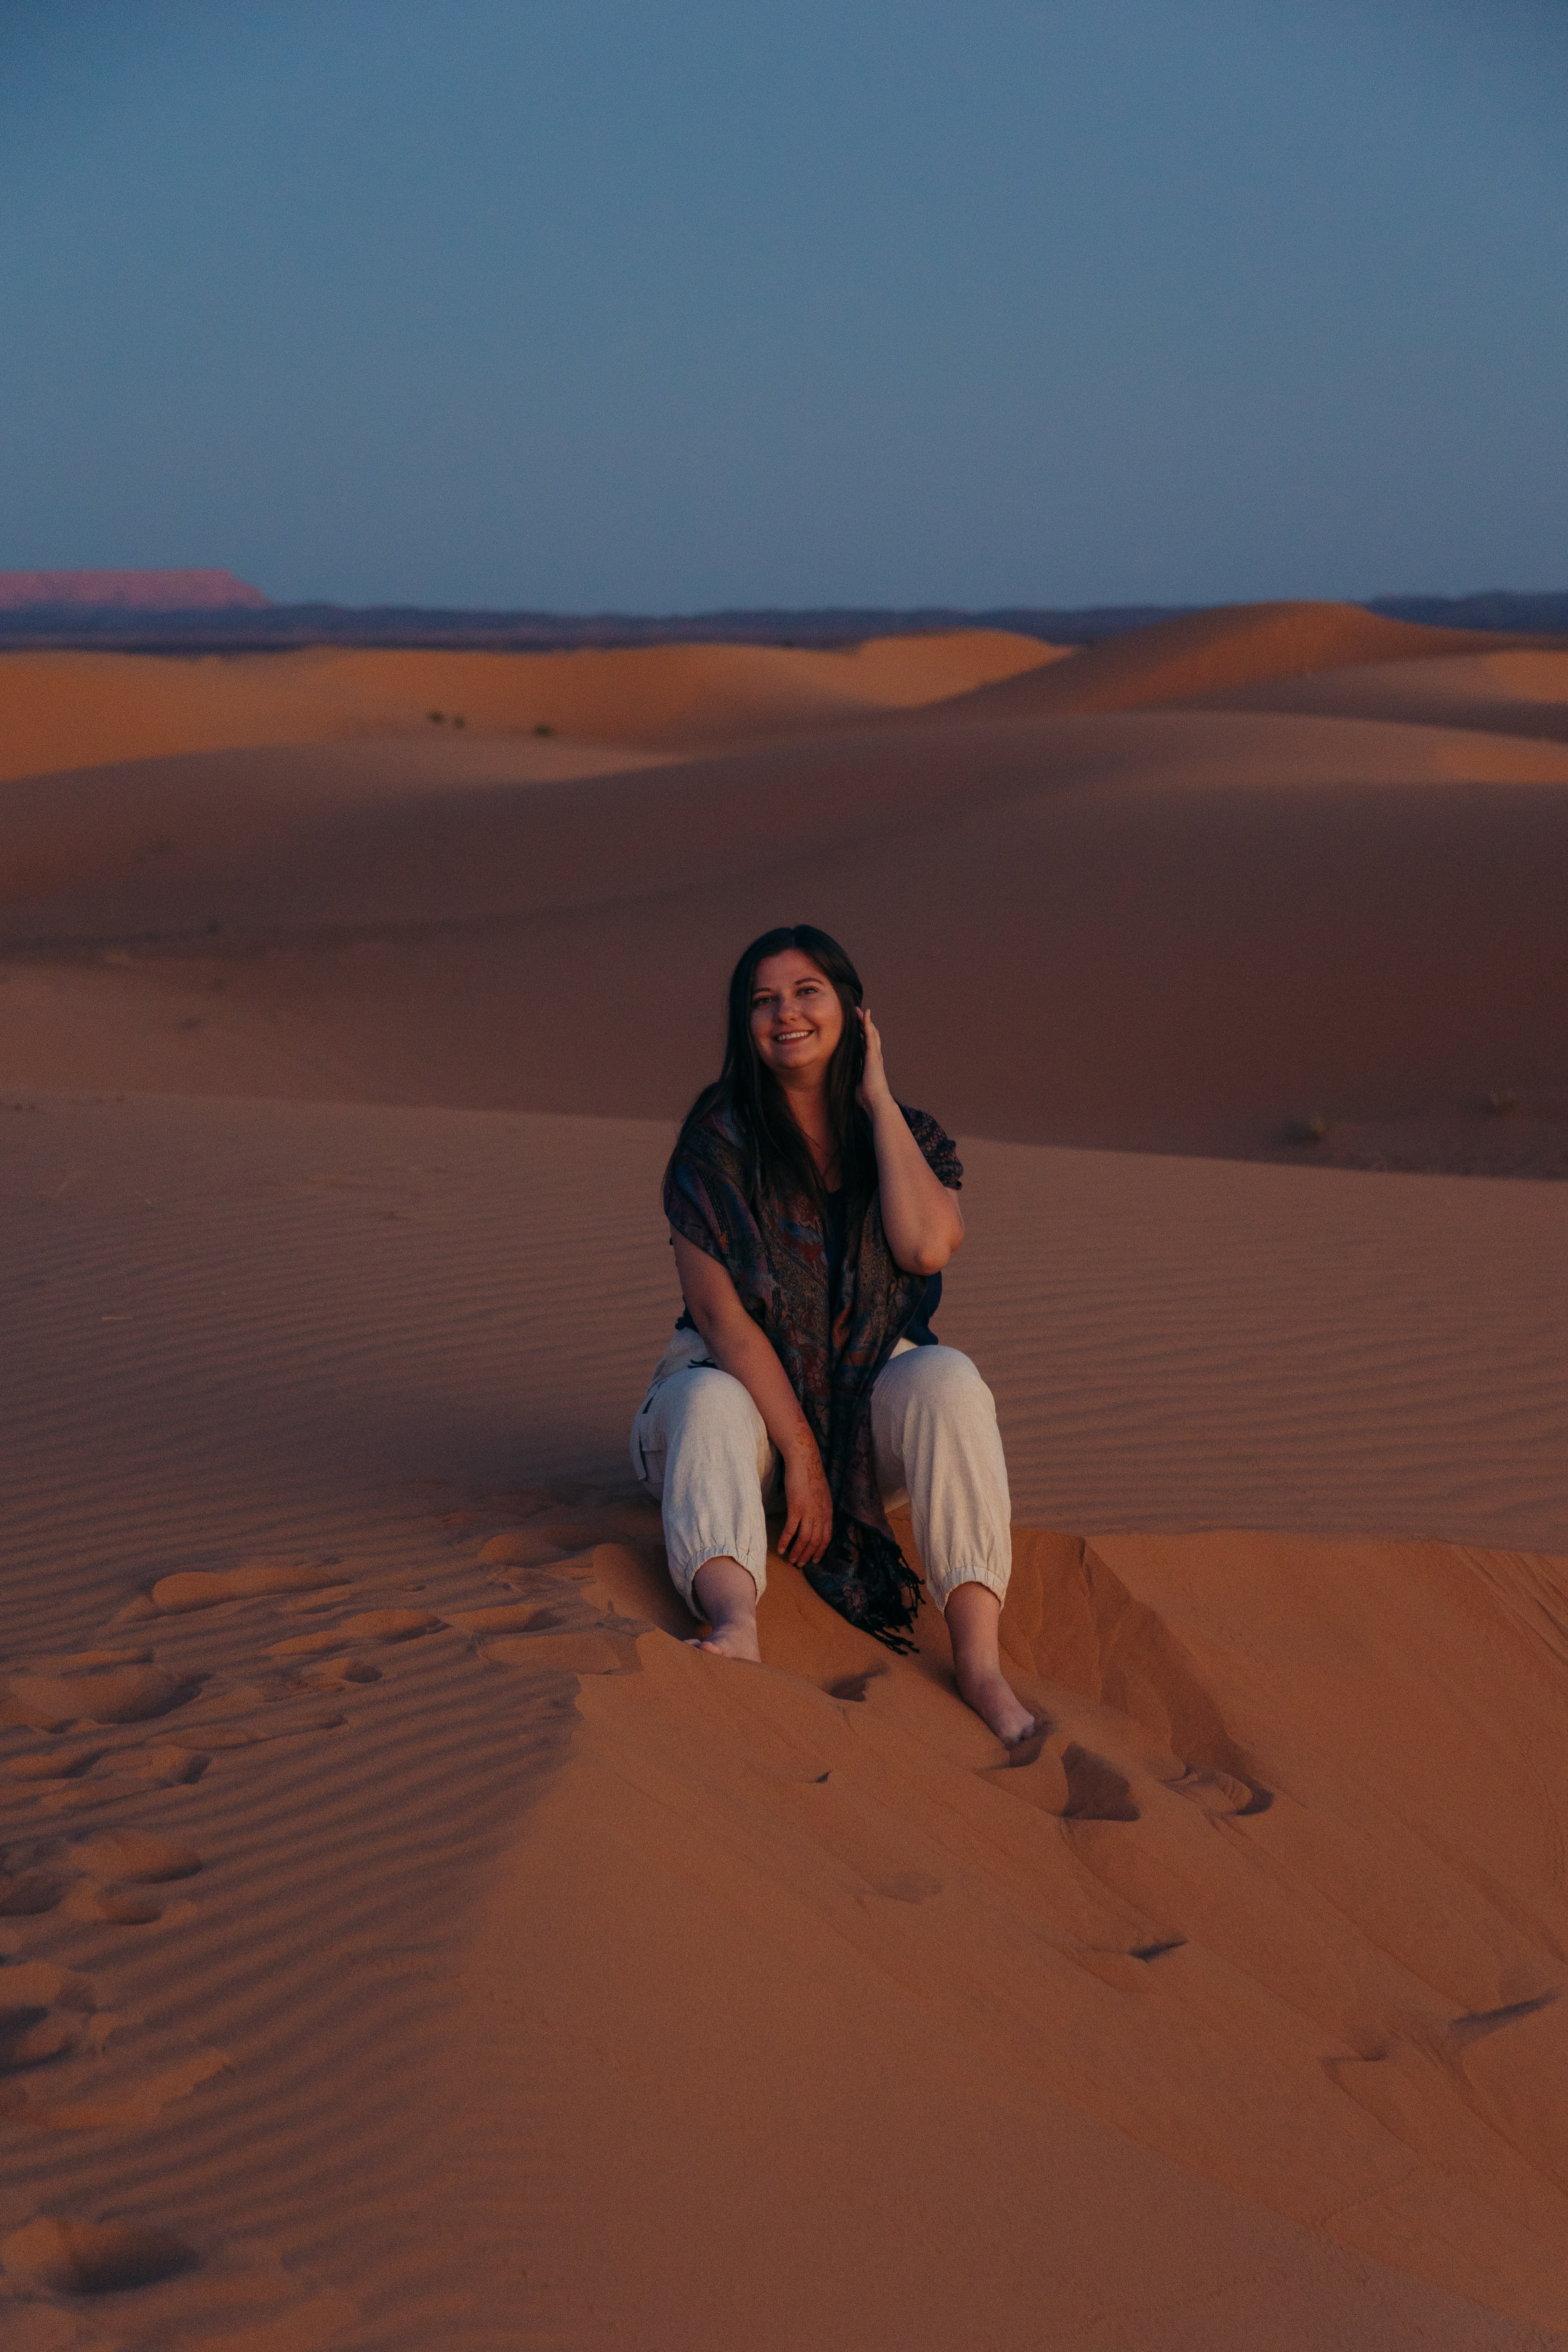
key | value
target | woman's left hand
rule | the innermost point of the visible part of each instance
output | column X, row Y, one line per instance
column 920, row 1218
column 873, row 1089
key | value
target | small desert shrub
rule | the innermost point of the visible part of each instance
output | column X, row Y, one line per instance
column 1310, row 1129
column 544, row 728
column 436, row 718
column 1502, row 1102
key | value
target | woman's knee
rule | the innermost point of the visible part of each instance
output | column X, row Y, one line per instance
column 715, row 1402
column 942, row 1383
column 704, row 1416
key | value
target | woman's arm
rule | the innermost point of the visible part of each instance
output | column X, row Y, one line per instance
column 921, row 1217
column 739, row 1348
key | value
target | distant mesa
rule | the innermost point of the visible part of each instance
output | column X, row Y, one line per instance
column 127, row 591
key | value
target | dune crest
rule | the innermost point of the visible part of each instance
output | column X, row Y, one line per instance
column 1217, row 651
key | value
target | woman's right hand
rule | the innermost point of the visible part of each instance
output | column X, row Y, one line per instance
column 808, row 1514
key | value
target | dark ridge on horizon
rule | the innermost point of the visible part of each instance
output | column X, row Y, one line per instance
column 281, row 627
column 1542, row 614
column 262, row 628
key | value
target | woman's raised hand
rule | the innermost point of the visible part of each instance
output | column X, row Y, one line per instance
column 873, row 1089
column 808, row 1505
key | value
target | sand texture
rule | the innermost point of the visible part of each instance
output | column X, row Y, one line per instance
column 405, row 1940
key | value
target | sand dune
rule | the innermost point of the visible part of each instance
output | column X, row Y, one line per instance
column 1522, row 692
column 448, row 1942
column 1231, row 646
column 1183, row 929
column 407, row 1941
column 417, row 833
column 75, row 709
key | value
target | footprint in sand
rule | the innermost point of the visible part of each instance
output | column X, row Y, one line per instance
column 43, row 2010
column 55, row 2071
column 338, row 1674
column 206, row 2300
column 126, row 1772
column 306, row 1604
column 1060, row 1777
column 1097, row 1792
column 173, row 1596
column 64, row 2256
column 126, row 1694
column 52, row 1763
column 305, row 1646
column 42, row 1879
column 1211, row 1792
column 29, row 1884
column 133, row 1854
column 565, row 1552
column 141, row 2102
column 373, row 1625
column 389, row 1626
column 159, row 1764
column 506, row 1617
column 161, row 1767
column 112, row 1907
column 852, row 1688
column 907, row 1885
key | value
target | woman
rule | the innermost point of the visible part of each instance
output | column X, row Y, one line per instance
column 811, row 1216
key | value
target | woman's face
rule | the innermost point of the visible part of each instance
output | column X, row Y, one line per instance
column 797, row 1018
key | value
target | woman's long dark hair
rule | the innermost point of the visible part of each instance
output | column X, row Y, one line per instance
column 779, row 1155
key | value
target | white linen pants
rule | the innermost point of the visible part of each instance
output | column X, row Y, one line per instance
column 701, row 1449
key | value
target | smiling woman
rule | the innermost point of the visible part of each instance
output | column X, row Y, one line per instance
column 811, row 1216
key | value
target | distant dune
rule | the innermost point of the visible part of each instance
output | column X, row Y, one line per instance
column 1207, row 653
column 1517, row 691
column 72, row 711
column 408, row 1942
column 1191, row 928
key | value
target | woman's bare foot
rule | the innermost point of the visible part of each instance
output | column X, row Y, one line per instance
column 727, row 1595
column 974, row 1613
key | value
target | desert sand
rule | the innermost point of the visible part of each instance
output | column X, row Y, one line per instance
column 407, row 1941
column 66, row 711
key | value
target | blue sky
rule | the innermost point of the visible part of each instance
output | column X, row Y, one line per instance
column 660, row 305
